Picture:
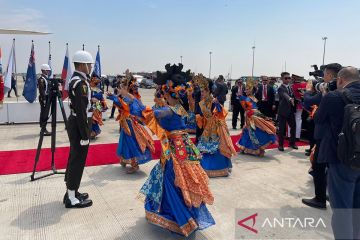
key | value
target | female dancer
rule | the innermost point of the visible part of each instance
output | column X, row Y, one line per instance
column 259, row 131
column 190, row 119
column 98, row 106
column 177, row 189
column 215, row 143
column 135, row 143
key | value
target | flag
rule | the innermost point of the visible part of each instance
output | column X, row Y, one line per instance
column 1, row 81
column 66, row 74
column 30, row 86
column 97, row 66
column 49, row 63
column 9, row 70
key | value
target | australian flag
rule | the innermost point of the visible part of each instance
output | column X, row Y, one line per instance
column 30, row 82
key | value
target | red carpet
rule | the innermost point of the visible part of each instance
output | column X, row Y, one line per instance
column 22, row 161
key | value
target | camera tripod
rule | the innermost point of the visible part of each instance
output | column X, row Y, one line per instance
column 51, row 103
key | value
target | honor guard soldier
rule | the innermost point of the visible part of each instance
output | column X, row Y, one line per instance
column 78, row 128
column 43, row 95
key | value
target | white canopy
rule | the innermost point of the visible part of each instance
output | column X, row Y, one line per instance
column 25, row 32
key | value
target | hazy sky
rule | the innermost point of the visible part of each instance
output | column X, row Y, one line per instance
column 147, row 34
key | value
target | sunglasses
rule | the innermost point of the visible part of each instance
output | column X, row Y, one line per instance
column 287, row 78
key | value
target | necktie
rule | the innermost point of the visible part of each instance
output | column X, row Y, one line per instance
column 290, row 92
column 265, row 92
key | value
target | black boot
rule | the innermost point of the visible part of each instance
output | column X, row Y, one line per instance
column 314, row 203
column 80, row 196
column 293, row 146
column 81, row 204
column 47, row 133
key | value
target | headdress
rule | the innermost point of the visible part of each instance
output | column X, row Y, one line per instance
column 129, row 79
column 94, row 81
column 202, row 82
column 250, row 83
column 174, row 80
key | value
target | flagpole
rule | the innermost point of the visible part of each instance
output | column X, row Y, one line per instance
column 14, row 56
column 67, row 51
column 15, row 72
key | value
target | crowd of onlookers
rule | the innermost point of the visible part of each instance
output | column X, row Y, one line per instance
column 319, row 107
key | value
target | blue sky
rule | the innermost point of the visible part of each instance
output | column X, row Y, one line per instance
column 145, row 35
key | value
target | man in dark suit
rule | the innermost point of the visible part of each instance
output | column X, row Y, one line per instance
column 220, row 90
column 343, row 181
column 237, row 90
column 266, row 97
column 286, row 111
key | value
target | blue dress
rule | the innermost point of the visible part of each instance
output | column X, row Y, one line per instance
column 258, row 132
column 97, row 119
column 129, row 149
column 177, row 189
column 216, row 149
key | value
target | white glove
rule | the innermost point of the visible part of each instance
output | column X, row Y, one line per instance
column 84, row 142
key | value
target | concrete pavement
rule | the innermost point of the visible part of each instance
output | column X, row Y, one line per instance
column 34, row 210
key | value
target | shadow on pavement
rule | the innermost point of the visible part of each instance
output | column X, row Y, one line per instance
column 144, row 229
column 114, row 172
column 40, row 216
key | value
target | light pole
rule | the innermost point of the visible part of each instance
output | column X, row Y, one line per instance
column 210, row 65
column 324, row 38
column 181, row 59
column 253, row 55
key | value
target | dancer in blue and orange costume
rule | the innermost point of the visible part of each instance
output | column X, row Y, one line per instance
column 98, row 106
column 135, row 143
column 191, row 119
column 215, row 142
column 259, row 131
column 177, row 190
column 159, row 98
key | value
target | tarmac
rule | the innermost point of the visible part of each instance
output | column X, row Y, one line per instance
column 34, row 210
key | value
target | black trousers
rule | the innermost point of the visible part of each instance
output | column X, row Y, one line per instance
column 43, row 115
column 112, row 111
column 15, row 90
column 290, row 120
column 77, row 155
column 266, row 108
column 319, row 175
column 310, row 132
column 237, row 108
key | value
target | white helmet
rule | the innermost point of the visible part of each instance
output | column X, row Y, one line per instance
column 82, row 57
column 45, row 67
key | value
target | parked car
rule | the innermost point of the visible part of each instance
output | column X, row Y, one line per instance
column 147, row 83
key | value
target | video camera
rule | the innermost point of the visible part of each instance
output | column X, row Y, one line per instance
column 317, row 73
column 54, row 83
column 318, row 83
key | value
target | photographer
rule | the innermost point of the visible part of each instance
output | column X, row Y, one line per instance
column 343, row 179
column 312, row 98
column 43, row 95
